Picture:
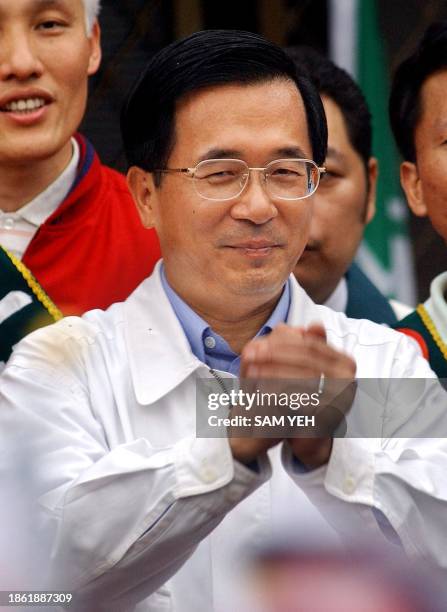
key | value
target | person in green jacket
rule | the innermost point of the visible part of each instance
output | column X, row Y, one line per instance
column 418, row 112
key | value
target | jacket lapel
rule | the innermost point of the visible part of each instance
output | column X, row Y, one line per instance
column 160, row 357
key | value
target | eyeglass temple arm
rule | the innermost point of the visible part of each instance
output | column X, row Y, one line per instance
column 169, row 170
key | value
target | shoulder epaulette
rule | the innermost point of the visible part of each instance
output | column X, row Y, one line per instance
column 420, row 326
column 40, row 311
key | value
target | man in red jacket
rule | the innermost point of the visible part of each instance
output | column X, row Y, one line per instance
column 66, row 217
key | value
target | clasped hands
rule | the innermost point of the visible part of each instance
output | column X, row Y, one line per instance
column 298, row 354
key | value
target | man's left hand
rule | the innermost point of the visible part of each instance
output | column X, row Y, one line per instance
column 297, row 353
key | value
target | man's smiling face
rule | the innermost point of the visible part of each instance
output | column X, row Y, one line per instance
column 45, row 60
column 246, row 247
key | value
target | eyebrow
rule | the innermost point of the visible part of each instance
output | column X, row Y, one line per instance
column 291, row 152
column 335, row 154
column 40, row 5
column 217, row 153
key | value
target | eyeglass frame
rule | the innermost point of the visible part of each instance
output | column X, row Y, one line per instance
column 190, row 172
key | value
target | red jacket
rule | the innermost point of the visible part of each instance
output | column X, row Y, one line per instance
column 92, row 251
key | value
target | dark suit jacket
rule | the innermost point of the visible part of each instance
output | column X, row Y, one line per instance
column 364, row 299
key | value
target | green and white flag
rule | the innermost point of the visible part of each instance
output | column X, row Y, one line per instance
column 356, row 45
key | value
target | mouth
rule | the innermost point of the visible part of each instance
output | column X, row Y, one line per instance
column 23, row 106
column 254, row 244
column 255, row 248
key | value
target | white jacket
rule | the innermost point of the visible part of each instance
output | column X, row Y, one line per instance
column 106, row 406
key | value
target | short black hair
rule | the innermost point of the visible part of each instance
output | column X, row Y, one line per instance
column 429, row 57
column 337, row 84
column 204, row 59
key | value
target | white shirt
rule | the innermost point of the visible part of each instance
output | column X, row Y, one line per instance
column 338, row 300
column 107, row 402
column 18, row 228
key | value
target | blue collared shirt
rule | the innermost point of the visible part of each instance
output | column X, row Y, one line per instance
column 208, row 346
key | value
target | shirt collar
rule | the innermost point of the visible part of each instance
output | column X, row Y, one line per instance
column 43, row 205
column 196, row 329
column 151, row 327
column 338, row 300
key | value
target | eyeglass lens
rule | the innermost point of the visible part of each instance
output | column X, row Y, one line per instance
column 288, row 179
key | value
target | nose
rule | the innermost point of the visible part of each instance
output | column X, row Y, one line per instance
column 254, row 204
column 18, row 57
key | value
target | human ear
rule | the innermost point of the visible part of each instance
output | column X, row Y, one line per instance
column 373, row 173
column 141, row 186
column 95, row 49
column 411, row 184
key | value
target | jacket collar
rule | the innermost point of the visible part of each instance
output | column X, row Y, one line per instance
column 85, row 188
column 437, row 304
column 160, row 357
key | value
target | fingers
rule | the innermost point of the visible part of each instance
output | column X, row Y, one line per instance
column 246, row 450
column 317, row 330
column 286, row 365
column 294, row 353
column 313, row 452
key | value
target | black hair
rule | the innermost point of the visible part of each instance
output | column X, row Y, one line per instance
column 337, row 84
column 204, row 59
column 429, row 57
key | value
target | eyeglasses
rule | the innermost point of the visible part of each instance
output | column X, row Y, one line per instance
column 225, row 179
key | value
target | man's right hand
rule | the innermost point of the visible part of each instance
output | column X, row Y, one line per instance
column 247, row 449
column 292, row 354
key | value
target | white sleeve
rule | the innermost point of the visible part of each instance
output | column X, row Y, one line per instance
column 402, row 475
column 121, row 520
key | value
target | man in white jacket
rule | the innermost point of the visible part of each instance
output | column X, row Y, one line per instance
column 225, row 144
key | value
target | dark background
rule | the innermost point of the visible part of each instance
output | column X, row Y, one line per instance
column 134, row 29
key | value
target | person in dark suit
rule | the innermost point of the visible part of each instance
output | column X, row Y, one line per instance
column 345, row 202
